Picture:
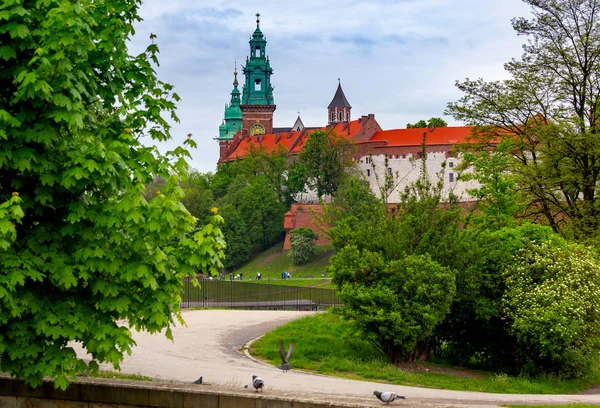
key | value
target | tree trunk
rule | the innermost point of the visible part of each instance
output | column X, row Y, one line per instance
column 422, row 351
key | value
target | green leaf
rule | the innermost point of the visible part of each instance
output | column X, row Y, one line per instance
column 6, row 52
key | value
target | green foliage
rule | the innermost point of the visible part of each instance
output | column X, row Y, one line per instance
column 435, row 122
column 303, row 248
column 395, row 304
column 354, row 215
column 197, row 197
column 235, row 231
column 475, row 331
column 325, row 161
column 497, row 198
column 330, row 345
column 80, row 246
column 552, row 302
column 548, row 109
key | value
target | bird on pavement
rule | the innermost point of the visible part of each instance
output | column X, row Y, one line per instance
column 285, row 358
column 387, row 397
column 257, row 382
column 198, row 381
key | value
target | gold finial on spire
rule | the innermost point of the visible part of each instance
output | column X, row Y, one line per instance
column 235, row 80
column 257, row 20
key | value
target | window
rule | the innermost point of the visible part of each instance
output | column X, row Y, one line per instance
column 368, row 172
column 451, row 164
column 368, row 160
column 257, row 52
column 389, row 171
column 347, row 116
column 257, row 84
column 340, row 116
column 333, row 116
column 451, row 177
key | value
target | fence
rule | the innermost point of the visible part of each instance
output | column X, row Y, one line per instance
column 245, row 295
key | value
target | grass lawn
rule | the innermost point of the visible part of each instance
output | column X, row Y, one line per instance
column 553, row 406
column 273, row 261
column 328, row 345
column 314, row 282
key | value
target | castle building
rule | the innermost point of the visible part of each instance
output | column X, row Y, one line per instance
column 379, row 152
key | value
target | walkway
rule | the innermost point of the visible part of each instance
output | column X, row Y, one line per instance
column 210, row 347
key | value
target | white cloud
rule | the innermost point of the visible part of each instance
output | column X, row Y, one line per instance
column 397, row 59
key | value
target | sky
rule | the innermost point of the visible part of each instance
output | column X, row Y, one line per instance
column 397, row 59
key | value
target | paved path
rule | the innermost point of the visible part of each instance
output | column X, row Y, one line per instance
column 210, row 345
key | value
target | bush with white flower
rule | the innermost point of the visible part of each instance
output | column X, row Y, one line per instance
column 552, row 304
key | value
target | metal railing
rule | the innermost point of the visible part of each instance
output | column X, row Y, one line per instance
column 245, row 295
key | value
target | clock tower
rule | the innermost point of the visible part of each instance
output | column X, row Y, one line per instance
column 257, row 95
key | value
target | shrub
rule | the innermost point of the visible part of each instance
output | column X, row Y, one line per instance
column 396, row 304
column 552, row 302
column 303, row 247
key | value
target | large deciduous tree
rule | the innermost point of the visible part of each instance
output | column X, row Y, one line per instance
column 550, row 110
column 80, row 246
column 326, row 161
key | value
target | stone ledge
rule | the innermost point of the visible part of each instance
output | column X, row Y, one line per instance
column 106, row 393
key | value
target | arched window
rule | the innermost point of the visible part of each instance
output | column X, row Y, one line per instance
column 333, row 116
column 340, row 116
column 347, row 116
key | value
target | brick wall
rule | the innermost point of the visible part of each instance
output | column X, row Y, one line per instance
column 303, row 215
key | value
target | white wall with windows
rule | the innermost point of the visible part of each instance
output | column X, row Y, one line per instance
column 402, row 170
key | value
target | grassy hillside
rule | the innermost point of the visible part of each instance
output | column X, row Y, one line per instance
column 273, row 261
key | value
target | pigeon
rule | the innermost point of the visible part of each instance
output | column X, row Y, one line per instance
column 257, row 383
column 285, row 358
column 387, row 397
column 198, row 381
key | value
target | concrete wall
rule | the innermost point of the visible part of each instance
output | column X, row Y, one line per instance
column 99, row 393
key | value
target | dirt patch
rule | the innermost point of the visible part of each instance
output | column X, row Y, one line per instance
column 459, row 372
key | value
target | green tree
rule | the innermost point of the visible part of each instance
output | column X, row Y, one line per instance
column 259, row 204
column 553, row 307
column 396, row 304
column 273, row 165
column 326, row 160
column 549, row 110
column 435, row 122
column 235, row 231
column 302, row 245
column 197, row 196
column 80, row 247
column 498, row 200
column 476, row 329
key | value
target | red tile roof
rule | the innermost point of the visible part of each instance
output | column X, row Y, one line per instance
column 293, row 142
column 413, row 137
column 270, row 141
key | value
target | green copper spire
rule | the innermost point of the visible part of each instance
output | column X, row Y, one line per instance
column 233, row 113
column 257, row 88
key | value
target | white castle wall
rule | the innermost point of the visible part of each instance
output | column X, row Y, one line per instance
column 406, row 169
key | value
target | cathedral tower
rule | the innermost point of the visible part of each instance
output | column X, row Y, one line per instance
column 339, row 108
column 257, row 96
column 232, row 122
